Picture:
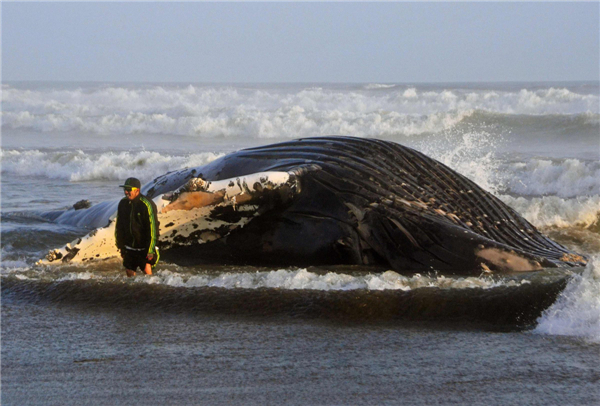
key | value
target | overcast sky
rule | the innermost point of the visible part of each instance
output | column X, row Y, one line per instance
column 300, row 42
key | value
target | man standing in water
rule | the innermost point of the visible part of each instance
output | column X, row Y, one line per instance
column 136, row 231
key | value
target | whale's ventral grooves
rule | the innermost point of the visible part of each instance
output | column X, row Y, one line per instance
column 341, row 200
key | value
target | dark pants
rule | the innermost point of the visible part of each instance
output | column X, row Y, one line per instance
column 136, row 259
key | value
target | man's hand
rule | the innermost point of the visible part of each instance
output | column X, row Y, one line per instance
column 150, row 257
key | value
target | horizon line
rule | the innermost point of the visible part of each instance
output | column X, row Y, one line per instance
column 301, row 82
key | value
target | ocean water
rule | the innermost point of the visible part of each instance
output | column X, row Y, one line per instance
column 316, row 335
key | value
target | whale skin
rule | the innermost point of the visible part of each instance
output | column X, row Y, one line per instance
column 329, row 200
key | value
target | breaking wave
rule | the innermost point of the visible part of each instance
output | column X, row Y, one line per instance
column 79, row 166
column 553, row 211
column 576, row 312
column 287, row 279
column 289, row 112
column 565, row 178
column 505, row 301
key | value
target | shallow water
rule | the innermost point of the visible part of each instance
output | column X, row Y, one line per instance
column 57, row 353
column 316, row 335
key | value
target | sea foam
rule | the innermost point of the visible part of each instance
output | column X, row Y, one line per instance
column 553, row 211
column 291, row 279
column 576, row 312
column 83, row 166
column 564, row 178
column 373, row 110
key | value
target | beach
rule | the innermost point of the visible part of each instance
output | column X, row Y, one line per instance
column 235, row 334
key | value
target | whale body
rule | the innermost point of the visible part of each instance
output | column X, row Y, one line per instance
column 328, row 200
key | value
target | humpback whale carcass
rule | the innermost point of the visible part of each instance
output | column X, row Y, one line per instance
column 328, row 200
